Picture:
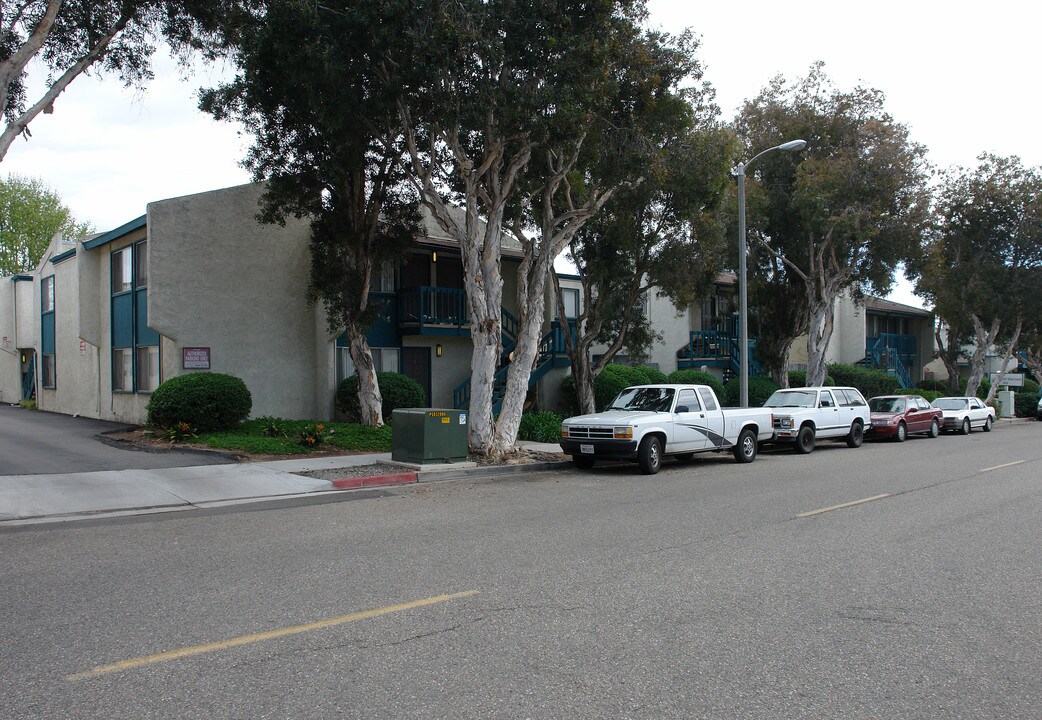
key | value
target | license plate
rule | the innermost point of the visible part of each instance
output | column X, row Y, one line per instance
column 586, row 449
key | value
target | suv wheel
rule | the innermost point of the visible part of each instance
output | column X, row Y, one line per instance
column 805, row 440
column 856, row 435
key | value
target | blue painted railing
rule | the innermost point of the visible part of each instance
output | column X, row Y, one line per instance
column 894, row 353
column 719, row 348
column 29, row 381
column 439, row 310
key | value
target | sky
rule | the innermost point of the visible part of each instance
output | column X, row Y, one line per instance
column 960, row 75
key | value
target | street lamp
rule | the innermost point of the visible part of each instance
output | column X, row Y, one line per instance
column 743, row 295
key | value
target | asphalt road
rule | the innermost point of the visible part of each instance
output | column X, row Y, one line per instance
column 38, row 443
column 707, row 591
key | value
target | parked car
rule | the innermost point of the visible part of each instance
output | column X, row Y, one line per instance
column 646, row 422
column 964, row 414
column 802, row 415
column 1038, row 410
column 898, row 416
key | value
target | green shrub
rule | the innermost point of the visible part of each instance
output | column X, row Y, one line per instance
column 982, row 389
column 179, row 433
column 614, row 379
column 1030, row 386
column 929, row 395
column 313, row 434
column 27, row 404
column 542, row 426
column 569, row 398
column 1025, row 404
column 940, row 386
column 798, row 378
column 697, row 377
column 760, row 388
column 870, row 381
column 206, row 401
column 651, row 375
column 397, row 391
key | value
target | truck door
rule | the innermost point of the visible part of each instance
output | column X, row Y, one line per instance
column 690, row 425
column 714, row 418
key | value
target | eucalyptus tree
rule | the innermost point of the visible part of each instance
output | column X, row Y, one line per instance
column 983, row 263
column 844, row 213
column 507, row 99
column 663, row 235
column 322, row 109
column 30, row 215
column 68, row 38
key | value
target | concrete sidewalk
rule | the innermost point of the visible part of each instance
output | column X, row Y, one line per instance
column 27, row 499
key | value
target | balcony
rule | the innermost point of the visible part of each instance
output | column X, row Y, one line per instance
column 433, row 311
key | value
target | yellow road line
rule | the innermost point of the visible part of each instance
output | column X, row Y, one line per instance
column 258, row 637
column 843, row 505
column 997, row 467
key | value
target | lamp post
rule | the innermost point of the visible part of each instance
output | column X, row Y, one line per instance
column 743, row 295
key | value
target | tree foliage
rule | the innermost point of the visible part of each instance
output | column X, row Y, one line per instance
column 71, row 37
column 30, row 215
column 323, row 112
column 841, row 215
column 980, row 269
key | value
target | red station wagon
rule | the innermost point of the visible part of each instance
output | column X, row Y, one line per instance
column 898, row 416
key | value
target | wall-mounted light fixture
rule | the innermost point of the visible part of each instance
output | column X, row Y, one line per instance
column 434, row 256
column 437, row 349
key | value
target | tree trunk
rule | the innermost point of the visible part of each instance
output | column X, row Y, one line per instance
column 369, row 399
column 819, row 334
column 950, row 357
column 583, row 376
column 1034, row 362
column 985, row 338
column 1005, row 358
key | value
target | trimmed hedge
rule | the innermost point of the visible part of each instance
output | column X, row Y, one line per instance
column 870, row 381
column 929, row 395
column 1030, row 386
column 544, row 426
column 207, row 401
column 1025, row 404
column 760, row 388
column 397, row 391
column 798, row 378
column 697, row 377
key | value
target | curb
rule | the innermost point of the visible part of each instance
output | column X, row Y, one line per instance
column 493, row 471
column 352, row 483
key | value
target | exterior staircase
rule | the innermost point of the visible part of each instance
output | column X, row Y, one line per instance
column 893, row 353
column 718, row 348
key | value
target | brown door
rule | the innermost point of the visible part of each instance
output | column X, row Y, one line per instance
column 416, row 363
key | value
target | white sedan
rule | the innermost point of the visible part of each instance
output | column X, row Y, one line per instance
column 965, row 413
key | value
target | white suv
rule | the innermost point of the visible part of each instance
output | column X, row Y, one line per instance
column 802, row 415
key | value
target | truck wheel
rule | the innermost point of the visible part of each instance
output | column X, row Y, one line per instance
column 965, row 430
column 745, row 448
column 935, row 428
column 856, row 435
column 902, row 432
column 987, row 425
column 583, row 462
column 650, row 455
column 805, row 440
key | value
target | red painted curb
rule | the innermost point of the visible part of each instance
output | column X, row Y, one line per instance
column 349, row 483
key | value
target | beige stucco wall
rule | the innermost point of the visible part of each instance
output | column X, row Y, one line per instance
column 220, row 279
column 848, row 341
column 10, row 355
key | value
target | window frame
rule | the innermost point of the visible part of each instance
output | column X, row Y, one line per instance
column 134, row 257
column 48, row 331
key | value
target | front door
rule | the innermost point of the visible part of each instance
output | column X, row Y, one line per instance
column 28, row 374
column 416, row 363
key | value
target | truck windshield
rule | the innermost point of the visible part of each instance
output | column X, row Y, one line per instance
column 792, row 398
column 643, row 398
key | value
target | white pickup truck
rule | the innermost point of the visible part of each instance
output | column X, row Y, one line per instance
column 646, row 422
column 803, row 415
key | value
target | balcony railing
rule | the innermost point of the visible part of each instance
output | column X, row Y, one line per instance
column 434, row 311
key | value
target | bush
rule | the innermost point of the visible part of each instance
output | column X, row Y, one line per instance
column 760, row 388
column 929, row 395
column 397, row 391
column 940, row 386
column 798, row 378
column 1025, row 404
column 205, row 401
column 1030, row 386
column 542, row 426
column 616, row 378
column 651, row 375
column 870, row 381
column 697, row 377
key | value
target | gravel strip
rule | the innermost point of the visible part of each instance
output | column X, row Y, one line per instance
column 357, row 471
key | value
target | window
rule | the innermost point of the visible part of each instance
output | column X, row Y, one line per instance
column 135, row 346
column 825, row 400
column 47, row 361
column 383, row 279
column 571, row 303
column 849, row 397
column 707, row 398
column 688, row 398
column 384, row 360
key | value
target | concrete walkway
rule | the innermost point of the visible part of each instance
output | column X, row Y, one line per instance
column 26, row 499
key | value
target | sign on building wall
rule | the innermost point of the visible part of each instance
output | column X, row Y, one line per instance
column 195, row 358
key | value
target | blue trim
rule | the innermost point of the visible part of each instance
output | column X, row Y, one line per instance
column 135, row 224
column 64, row 256
column 21, row 278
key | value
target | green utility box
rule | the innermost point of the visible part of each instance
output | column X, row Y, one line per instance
column 428, row 435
